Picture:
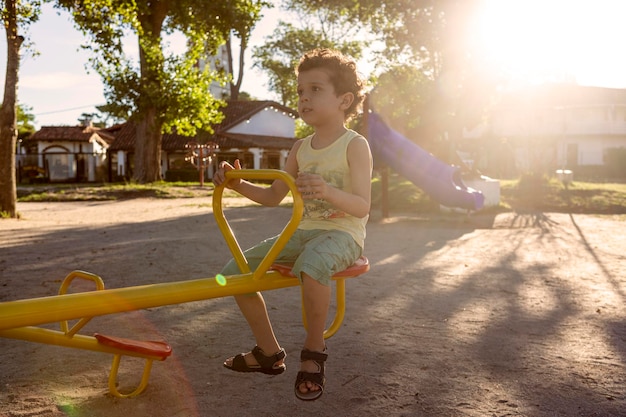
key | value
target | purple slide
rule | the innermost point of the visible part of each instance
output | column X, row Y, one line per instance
column 439, row 180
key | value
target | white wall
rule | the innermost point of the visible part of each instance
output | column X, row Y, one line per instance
column 591, row 150
column 267, row 122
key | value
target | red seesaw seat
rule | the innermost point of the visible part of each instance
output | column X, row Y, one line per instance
column 361, row 266
column 149, row 348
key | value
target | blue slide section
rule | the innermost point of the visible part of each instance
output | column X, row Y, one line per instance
column 440, row 181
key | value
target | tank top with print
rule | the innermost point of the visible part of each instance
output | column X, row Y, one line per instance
column 331, row 163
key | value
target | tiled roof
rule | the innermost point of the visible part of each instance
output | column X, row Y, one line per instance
column 125, row 139
column 234, row 113
column 72, row 134
column 237, row 111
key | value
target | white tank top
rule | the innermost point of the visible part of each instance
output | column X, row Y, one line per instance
column 331, row 163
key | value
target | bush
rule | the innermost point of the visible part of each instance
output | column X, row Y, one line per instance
column 615, row 161
column 182, row 175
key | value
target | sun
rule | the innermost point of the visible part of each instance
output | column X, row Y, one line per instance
column 554, row 40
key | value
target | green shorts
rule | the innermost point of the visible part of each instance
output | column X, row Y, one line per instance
column 317, row 253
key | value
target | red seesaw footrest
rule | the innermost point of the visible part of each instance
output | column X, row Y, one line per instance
column 151, row 348
column 361, row 266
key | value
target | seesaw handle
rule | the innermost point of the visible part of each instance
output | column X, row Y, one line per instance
column 285, row 235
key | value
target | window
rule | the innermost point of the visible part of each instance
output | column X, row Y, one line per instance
column 58, row 166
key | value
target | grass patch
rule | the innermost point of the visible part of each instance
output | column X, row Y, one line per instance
column 528, row 193
column 101, row 192
column 550, row 195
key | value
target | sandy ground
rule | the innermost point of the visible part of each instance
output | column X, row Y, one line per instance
column 507, row 315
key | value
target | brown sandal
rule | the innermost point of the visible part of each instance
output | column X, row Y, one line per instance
column 316, row 378
column 267, row 364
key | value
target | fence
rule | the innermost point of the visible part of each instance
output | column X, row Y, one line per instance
column 60, row 167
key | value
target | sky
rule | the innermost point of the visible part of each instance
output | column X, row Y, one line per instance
column 576, row 40
column 535, row 40
column 59, row 85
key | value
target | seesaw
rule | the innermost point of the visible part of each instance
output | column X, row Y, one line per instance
column 19, row 319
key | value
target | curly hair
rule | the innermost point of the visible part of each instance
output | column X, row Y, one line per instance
column 342, row 72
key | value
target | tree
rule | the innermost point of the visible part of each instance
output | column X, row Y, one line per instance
column 25, row 120
column 242, row 30
column 92, row 119
column 432, row 37
column 401, row 95
column 165, row 91
column 279, row 56
column 14, row 15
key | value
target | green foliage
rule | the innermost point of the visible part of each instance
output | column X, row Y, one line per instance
column 615, row 161
column 402, row 195
column 164, row 91
column 171, row 86
column 302, row 129
column 25, row 120
column 419, row 38
column 279, row 56
column 401, row 96
column 429, row 83
column 195, row 109
column 28, row 12
column 415, row 33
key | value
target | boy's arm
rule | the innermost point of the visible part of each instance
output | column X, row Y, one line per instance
column 268, row 196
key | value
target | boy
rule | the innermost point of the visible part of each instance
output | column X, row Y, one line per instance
column 333, row 169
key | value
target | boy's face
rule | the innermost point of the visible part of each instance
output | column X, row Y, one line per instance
column 318, row 102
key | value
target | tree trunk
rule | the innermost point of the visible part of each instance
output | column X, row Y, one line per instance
column 148, row 133
column 8, row 115
column 148, row 148
column 235, row 85
column 234, row 91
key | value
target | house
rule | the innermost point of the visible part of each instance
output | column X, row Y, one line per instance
column 258, row 133
column 552, row 126
column 65, row 153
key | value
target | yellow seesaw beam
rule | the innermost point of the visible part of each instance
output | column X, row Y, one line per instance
column 36, row 311
column 77, row 341
column 60, row 308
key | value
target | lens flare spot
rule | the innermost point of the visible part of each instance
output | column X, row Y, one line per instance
column 220, row 279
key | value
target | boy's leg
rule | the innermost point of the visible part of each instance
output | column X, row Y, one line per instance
column 253, row 308
column 325, row 253
column 316, row 302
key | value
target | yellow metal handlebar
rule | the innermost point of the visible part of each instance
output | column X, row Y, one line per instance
column 63, row 290
column 289, row 229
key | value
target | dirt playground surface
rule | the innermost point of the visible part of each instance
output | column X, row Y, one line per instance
column 507, row 315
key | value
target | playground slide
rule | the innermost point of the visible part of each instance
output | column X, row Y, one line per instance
column 439, row 180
